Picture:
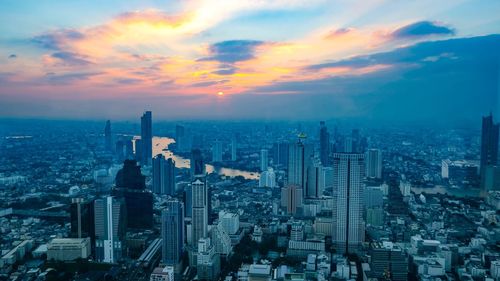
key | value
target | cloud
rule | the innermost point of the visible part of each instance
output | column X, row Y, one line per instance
column 70, row 59
column 12, row 56
column 69, row 77
column 56, row 40
column 232, row 51
column 422, row 29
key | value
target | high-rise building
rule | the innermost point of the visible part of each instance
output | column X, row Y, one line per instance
column 234, row 148
column 348, row 185
column 374, row 164
column 314, row 184
column 199, row 212
column 280, row 154
column 146, row 139
column 208, row 261
column 388, row 262
column 82, row 219
column 108, row 140
column 324, row 144
column 268, row 178
column 130, row 184
column 197, row 165
column 109, row 218
column 166, row 273
column 299, row 160
column 172, row 232
column 163, row 175
column 217, row 151
column 229, row 221
column 264, row 159
column 489, row 147
column 188, row 200
column 291, row 198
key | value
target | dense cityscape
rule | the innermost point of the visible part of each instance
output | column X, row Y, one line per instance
column 214, row 200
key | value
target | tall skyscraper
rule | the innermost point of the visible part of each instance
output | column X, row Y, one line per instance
column 163, row 175
column 388, row 262
column 280, row 154
column 348, row 185
column 291, row 198
column 82, row 220
column 489, row 149
column 324, row 144
column 374, row 164
column 217, row 151
column 146, row 139
column 264, row 159
column 172, row 232
column 130, row 184
column 314, row 184
column 234, row 147
column 197, row 165
column 108, row 140
column 199, row 212
column 299, row 160
column 208, row 261
column 109, row 228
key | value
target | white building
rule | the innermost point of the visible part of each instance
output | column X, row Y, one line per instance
column 230, row 221
column 374, row 163
column 68, row 249
column 163, row 274
column 268, row 178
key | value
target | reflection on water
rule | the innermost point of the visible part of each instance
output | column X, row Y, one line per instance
column 451, row 191
column 160, row 145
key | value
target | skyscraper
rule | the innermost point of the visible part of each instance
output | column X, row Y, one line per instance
column 163, row 175
column 374, row 164
column 146, row 138
column 314, row 185
column 109, row 228
column 324, row 144
column 199, row 212
column 172, row 232
column 264, row 159
column 82, row 220
column 197, row 165
column 217, row 151
column 348, row 226
column 291, row 198
column 108, row 141
column 130, row 185
column 268, row 178
column 299, row 160
column 280, row 154
column 234, row 147
column 489, row 149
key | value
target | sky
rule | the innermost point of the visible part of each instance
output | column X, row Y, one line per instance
column 250, row 59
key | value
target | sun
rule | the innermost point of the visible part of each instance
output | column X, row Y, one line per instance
column 220, row 93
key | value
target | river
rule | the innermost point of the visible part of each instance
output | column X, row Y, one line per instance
column 160, row 145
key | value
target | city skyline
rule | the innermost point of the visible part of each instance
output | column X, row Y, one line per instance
column 219, row 59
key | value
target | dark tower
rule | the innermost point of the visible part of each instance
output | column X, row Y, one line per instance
column 108, row 143
column 146, row 139
column 324, row 144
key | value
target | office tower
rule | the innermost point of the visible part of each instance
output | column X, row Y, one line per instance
column 130, row 185
column 280, row 154
column 229, row 221
column 124, row 148
column 388, row 262
column 188, row 200
column 108, row 142
column 138, row 150
column 199, row 212
column 172, row 232
column 234, row 147
column 146, row 139
column 314, row 184
column 109, row 217
column 163, row 175
column 348, row 226
column 297, row 231
column 489, row 150
column 299, row 160
column 348, row 146
column 264, row 161
column 208, row 261
column 324, row 144
column 166, row 273
column 221, row 240
column 373, row 201
column 291, row 198
column 217, row 151
column 82, row 219
column 197, row 165
column 183, row 138
column 356, row 141
column 268, row 178
column 374, row 164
